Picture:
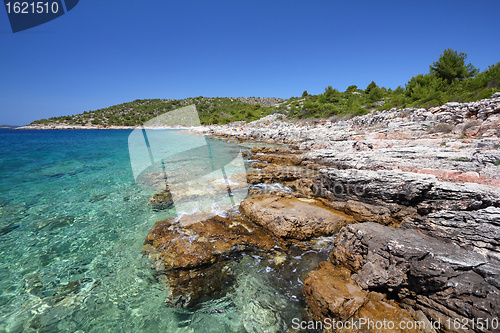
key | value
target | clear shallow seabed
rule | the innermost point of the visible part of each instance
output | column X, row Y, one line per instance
column 72, row 226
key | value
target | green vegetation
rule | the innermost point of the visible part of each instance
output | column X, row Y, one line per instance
column 211, row 111
column 449, row 79
column 451, row 65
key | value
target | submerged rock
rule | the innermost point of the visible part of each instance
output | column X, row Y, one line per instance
column 8, row 228
column 194, row 286
column 295, row 218
column 162, row 200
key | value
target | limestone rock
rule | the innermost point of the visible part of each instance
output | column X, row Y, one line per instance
column 162, row 200
column 190, row 254
column 439, row 278
column 331, row 293
column 423, row 192
column 272, row 174
column 193, row 241
column 293, row 217
column 479, row 229
column 279, row 159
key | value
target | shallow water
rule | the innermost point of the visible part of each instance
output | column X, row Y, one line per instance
column 72, row 225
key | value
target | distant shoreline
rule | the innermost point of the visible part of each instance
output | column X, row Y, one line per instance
column 75, row 127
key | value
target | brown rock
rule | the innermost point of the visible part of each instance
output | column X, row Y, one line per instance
column 197, row 285
column 331, row 293
column 437, row 277
column 259, row 165
column 386, row 213
column 292, row 217
column 191, row 253
column 273, row 150
column 161, row 200
column 190, row 243
column 273, row 174
column 290, row 159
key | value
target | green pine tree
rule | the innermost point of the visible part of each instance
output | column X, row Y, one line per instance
column 451, row 65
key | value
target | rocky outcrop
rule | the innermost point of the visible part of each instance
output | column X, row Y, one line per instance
column 191, row 253
column 279, row 159
column 273, row 174
column 457, row 142
column 383, row 213
column 431, row 172
column 332, row 294
column 439, row 278
column 478, row 230
column 161, row 200
column 186, row 243
column 295, row 218
column 423, row 192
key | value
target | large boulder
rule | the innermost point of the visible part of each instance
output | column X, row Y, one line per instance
column 294, row 218
column 332, row 294
column 443, row 280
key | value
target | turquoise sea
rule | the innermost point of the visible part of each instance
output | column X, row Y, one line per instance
column 72, row 226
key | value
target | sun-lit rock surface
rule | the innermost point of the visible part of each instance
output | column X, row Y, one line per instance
column 294, row 217
column 331, row 293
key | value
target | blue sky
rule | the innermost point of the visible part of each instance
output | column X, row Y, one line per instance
column 106, row 52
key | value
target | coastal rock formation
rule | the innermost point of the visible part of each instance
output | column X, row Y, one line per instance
column 295, row 218
column 441, row 279
column 383, row 213
column 272, row 174
column 423, row 192
column 190, row 254
column 473, row 120
column 193, row 241
column 479, row 230
column 432, row 173
column 277, row 155
column 162, row 200
column 331, row 293
column 279, row 159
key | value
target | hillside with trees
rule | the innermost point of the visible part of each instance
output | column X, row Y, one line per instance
column 450, row 79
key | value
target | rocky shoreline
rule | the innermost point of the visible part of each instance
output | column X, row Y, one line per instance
column 88, row 127
column 410, row 200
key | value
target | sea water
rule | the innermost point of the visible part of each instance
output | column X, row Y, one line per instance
column 72, row 225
